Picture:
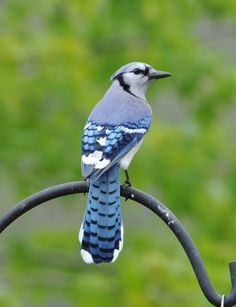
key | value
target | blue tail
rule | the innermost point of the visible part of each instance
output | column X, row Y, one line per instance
column 101, row 233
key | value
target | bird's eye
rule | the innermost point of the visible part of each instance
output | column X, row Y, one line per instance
column 137, row 71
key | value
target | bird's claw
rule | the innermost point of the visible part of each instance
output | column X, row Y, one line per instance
column 86, row 179
column 128, row 183
column 127, row 180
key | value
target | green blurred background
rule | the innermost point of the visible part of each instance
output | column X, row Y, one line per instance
column 56, row 58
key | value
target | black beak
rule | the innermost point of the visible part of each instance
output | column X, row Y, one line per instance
column 158, row 74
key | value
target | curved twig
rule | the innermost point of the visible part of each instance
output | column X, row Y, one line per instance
column 148, row 201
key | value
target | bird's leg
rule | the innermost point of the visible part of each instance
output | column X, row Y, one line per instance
column 127, row 182
column 127, row 179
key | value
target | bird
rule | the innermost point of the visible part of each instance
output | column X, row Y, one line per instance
column 112, row 135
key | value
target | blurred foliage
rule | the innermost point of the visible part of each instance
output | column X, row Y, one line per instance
column 55, row 62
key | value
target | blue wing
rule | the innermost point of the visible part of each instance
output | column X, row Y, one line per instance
column 105, row 145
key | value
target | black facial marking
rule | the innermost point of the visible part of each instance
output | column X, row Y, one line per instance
column 137, row 71
column 125, row 86
column 146, row 72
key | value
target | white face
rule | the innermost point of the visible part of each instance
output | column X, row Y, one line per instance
column 138, row 79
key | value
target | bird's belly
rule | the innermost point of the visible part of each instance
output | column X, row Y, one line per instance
column 125, row 161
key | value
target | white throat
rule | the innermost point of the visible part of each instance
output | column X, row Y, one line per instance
column 139, row 91
column 136, row 85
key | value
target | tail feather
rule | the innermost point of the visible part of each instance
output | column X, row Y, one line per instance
column 101, row 233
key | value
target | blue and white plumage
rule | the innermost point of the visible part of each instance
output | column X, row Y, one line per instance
column 112, row 135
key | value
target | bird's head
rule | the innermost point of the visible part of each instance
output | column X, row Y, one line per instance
column 136, row 77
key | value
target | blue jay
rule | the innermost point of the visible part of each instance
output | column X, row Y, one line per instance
column 112, row 135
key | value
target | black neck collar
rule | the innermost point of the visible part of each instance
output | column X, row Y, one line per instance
column 125, row 86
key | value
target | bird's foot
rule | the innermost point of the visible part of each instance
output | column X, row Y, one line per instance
column 127, row 184
column 86, row 179
column 126, row 197
column 127, row 180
